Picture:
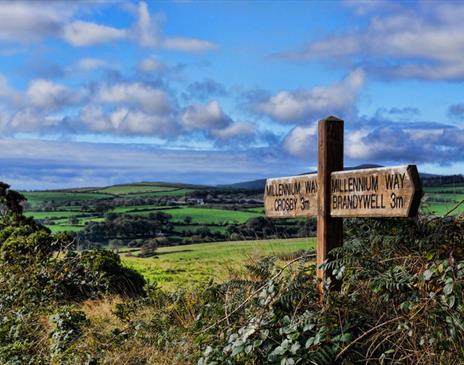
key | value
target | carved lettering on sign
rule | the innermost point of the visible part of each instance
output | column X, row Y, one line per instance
column 291, row 196
column 380, row 192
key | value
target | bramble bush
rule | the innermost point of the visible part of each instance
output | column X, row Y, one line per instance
column 401, row 302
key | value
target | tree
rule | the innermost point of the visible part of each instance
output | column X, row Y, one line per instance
column 149, row 248
column 73, row 220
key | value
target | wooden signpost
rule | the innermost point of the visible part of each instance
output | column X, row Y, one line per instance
column 333, row 194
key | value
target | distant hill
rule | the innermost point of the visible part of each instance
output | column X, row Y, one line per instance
column 428, row 180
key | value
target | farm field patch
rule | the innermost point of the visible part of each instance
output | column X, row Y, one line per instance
column 207, row 215
column 135, row 188
column 35, row 198
column 188, row 265
column 52, row 215
column 156, row 194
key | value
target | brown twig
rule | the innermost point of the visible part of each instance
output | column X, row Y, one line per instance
column 456, row 207
column 365, row 334
column 252, row 295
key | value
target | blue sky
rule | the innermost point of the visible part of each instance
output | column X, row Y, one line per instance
column 96, row 93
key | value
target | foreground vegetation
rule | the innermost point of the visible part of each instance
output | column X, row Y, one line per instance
column 399, row 300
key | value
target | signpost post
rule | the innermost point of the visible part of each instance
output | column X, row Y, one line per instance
column 333, row 194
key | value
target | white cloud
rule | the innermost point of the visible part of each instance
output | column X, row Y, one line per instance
column 80, row 33
column 49, row 95
column 148, row 98
column 421, row 42
column 234, row 130
column 150, row 64
column 89, row 64
column 355, row 147
column 292, row 106
column 32, row 21
column 126, row 122
column 204, row 116
column 7, row 92
column 147, row 32
column 188, row 44
column 24, row 22
column 29, row 120
column 301, row 141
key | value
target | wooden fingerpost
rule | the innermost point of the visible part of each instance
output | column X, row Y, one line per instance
column 330, row 159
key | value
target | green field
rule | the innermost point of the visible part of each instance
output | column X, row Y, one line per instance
column 134, row 188
column 184, row 266
column 193, row 228
column 206, row 215
column 440, row 200
column 52, row 215
column 157, row 194
column 37, row 197
column 57, row 228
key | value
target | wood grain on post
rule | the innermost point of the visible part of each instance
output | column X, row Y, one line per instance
column 330, row 159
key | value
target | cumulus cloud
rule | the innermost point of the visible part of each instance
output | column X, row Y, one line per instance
column 49, row 95
column 301, row 105
column 81, row 33
column 150, row 64
column 147, row 32
column 301, row 142
column 34, row 21
column 391, row 142
column 234, row 130
column 403, row 42
column 89, row 64
column 125, row 121
column 7, row 92
column 29, row 120
column 24, row 22
column 204, row 116
column 148, row 98
column 385, row 141
column 202, row 90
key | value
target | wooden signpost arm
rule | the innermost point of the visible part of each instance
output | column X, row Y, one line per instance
column 330, row 159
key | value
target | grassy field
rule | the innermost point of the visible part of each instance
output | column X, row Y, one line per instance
column 35, row 198
column 45, row 215
column 193, row 227
column 184, row 266
column 134, row 188
column 207, row 215
column 157, row 194
column 440, row 200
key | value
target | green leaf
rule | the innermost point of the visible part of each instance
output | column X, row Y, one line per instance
column 448, row 289
column 428, row 274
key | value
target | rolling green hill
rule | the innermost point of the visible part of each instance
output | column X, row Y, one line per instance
column 70, row 210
